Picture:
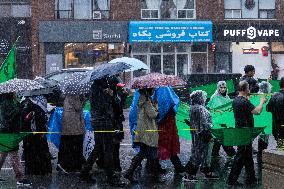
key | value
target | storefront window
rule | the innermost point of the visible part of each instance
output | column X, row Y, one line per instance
column 168, row 47
column 183, row 47
column 199, row 63
column 140, row 47
column 19, row 9
column 143, row 58
column 82, row 9
column 91, row 54
column 182, row 64
column 155, row 63
column 169, row 64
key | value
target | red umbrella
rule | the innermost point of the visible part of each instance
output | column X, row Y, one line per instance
column 154, row 80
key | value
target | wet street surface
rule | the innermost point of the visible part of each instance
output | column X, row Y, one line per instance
column 163, row 181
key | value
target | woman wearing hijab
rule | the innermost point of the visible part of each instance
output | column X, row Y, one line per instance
column 168, row 146
column 201, row 122
column 221, row 93
column 36, row 152
column 147, row 141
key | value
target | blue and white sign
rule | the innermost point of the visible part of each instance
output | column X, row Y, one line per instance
column 170, row 31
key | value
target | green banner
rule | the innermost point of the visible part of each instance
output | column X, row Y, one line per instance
column 183, row 128
column 8, row 68
column 10, row 141
column 236, row 136
column 211, row 88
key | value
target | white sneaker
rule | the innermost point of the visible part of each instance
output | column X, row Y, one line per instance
column 24, row 182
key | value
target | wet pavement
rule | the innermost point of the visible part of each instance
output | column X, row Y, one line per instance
column 163, row 181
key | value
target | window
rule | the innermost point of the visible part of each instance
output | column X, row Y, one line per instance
column 90, row 54
column 248, row 9
column 169, row 58
column 12, row 9
column 82, row 9
column 167, row 9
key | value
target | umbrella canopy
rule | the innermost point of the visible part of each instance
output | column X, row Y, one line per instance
column 48, row 84
column 133, row 62
column 19, row 85
column 76, row 83
column 105, row 70
column 154, row 80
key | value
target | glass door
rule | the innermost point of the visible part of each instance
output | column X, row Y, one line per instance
column 155, row 63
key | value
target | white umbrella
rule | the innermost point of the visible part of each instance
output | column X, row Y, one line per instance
column 133, row 62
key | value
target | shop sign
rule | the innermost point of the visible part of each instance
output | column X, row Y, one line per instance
column 83, row 31
column 243, row 33
column 250, row 51
column 170, row 31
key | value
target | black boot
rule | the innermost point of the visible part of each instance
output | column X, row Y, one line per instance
column 135, row 162
column 87, row 167
column 114, row 181
column 156, row 167
column 191, row 169
column 179, row 168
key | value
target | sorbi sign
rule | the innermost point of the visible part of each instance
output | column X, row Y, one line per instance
column 252, row 32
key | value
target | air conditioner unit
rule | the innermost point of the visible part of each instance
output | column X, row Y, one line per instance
column 97, row 15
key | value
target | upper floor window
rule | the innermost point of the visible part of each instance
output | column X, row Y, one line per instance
column 256, row 9
column 13, row 9
column 168, row 9
column 82, row 9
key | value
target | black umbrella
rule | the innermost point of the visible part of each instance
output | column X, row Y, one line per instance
column 76, row 83
column 105, row 70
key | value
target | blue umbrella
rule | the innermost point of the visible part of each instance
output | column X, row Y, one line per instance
column 105, row 70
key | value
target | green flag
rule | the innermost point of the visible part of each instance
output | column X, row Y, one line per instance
column 8, row 68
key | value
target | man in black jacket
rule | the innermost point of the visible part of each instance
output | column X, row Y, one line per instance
column 249, row 73
column 276, row 107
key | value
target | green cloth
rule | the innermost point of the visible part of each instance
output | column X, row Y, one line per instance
column 10, row 141
column 265, row 118
column 183, row 128
column 211, row 88
column 8, row 68
column 236, row 136
column 87, row 105
column 221, row 111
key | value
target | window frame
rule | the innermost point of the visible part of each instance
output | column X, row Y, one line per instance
column 150, row 18
column 258, row 13
column 71, row 11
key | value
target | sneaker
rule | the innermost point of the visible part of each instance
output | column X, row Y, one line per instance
column 189, row 178
column 60, row 169
column 24, row 182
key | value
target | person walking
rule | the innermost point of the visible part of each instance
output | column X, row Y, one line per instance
column 36, row 151
column 222, row 93
column 146, row 135
column 10, row 118
column 200, row 122
column 102, row 120
column 168, row 145
column 276, row 107
column 70, row 155
column 243, row 112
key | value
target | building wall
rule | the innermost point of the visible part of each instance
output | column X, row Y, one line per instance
column 130, row 10
column 41, row 10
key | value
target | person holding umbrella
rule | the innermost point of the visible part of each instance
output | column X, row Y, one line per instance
column 9, row 123
column 102, row 120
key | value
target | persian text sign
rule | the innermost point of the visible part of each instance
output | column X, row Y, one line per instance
column 170, row 31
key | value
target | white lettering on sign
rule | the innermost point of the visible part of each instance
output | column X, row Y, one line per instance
column 252, row 33
column 99, row 34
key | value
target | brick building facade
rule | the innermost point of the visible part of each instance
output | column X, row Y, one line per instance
column 130, row 10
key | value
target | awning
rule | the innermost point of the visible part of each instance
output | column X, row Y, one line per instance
column 170, row 31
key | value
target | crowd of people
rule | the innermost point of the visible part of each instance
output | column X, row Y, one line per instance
column 152, row 125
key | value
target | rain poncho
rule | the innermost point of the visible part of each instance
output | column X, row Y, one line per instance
column 166, row 99
column 201, row 122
